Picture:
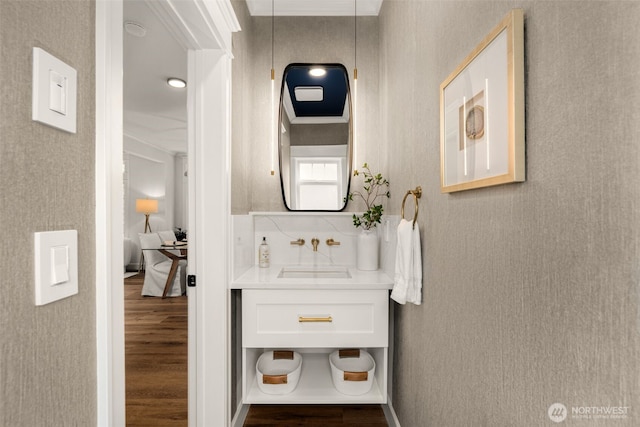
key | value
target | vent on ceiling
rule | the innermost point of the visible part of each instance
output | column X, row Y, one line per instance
column 308, row 93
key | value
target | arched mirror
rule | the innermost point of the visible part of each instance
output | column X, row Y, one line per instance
column 314, row 137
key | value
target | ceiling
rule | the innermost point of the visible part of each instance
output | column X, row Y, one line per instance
column 314, row 7
column 155, row 113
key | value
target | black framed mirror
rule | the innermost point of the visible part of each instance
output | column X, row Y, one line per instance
column 315, row 137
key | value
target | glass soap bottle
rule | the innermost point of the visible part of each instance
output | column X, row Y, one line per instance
column 263, row 254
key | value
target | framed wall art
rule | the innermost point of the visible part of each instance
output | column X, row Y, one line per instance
column 482, row 112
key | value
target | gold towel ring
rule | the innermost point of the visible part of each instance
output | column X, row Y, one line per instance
column 417, row 193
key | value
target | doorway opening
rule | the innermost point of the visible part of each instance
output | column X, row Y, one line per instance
column 155, row 172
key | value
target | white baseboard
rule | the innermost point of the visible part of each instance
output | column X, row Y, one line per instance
column 241, row 415
column 390, row 415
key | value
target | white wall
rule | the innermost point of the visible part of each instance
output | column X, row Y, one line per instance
column 149, row 173
column 181, row 212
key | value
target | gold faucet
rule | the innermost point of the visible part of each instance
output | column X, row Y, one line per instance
column 299, row 242
column 315, row 242
column 331, row 242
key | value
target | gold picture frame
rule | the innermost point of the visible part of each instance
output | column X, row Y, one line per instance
column 482, row 112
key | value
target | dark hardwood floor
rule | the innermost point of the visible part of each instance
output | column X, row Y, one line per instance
column 155, row 358
column 315, row 415
column 156, row 373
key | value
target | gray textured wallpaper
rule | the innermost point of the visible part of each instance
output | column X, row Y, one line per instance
column 530, row 290
column 47, row 353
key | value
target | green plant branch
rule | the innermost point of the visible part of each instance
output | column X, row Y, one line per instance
column 375, row 187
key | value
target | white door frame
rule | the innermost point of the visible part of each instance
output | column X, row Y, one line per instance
column 204, row 27
column 209, row 301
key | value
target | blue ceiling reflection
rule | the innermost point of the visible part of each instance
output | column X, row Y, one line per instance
column 334, row 84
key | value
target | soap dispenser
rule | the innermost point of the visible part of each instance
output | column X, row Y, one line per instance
column 263, row 254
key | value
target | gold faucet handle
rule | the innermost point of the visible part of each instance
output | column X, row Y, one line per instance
column 332, row 242
column 314, row 243
column 299, row 242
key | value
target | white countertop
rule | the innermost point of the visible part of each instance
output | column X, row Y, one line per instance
column 267, row 278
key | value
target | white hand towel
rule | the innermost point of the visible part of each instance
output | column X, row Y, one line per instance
column 407, row 284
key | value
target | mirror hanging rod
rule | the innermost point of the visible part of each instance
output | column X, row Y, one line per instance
column 355, row 38
column 355, row 81
column 273, row 114
column 273, row 123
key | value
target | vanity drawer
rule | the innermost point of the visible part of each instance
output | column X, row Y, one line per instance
column 315, row 318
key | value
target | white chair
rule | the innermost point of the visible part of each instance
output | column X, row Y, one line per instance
column 157, row 267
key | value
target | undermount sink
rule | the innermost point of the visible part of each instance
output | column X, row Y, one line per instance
column 314, row 272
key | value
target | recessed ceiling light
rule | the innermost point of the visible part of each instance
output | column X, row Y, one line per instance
column 135, row 29
column 317, row 72
column 176, row 82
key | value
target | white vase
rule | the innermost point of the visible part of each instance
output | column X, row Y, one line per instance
column 367, row 250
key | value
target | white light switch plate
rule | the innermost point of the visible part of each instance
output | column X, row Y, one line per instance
column 54, row 91
column 56, row 263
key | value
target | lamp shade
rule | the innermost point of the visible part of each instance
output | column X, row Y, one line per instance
column 146, row 206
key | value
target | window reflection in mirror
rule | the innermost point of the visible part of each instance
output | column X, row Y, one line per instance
column 314, row 142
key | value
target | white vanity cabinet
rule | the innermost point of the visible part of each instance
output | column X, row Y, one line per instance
column 314, row 322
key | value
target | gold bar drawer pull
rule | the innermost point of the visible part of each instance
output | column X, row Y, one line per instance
column 305, row 319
